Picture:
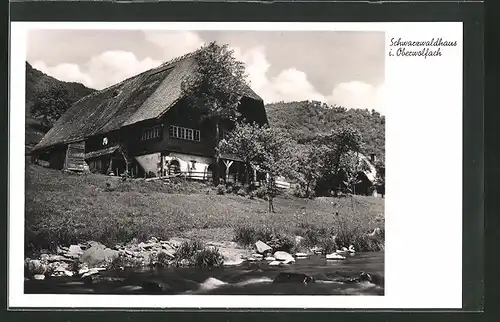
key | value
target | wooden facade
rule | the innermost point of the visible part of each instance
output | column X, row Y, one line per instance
column 178, row 131
column 75, row 156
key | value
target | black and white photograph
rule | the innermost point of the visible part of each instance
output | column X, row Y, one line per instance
column 165, row 163
column 213, row 162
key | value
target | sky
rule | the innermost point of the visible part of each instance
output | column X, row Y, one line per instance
column 343, row 68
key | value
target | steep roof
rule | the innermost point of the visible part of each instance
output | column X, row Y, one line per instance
column 139, row 98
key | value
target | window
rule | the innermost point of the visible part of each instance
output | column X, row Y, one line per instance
column 151, row 133
column 178, row 132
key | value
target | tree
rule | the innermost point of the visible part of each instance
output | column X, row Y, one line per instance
column 215, row 88
column 268, row 149
column 338, row 145
column 311, row 166
column 49, row 104
column 122, row 149
column 242, row 142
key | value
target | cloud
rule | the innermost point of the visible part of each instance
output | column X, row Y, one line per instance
column 66, row 72
column 356, row 94
column 101, row 71
column 112, row 67
column 293, row 85
column 174, row 43
column 289, row 85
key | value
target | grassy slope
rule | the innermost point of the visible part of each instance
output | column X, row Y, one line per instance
column 67, row 208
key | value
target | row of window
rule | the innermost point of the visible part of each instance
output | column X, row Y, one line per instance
column 176, row 132
column 184, row 133
column 151, row 133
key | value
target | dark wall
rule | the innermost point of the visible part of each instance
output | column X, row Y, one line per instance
column 179, row 117
column 95, row 143
column 253, row 111
column 57, row 157
column 183, row 116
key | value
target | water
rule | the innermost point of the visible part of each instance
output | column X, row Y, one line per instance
column 251, row 278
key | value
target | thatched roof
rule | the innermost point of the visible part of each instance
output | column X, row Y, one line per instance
column 367, row 167
column 142, row 97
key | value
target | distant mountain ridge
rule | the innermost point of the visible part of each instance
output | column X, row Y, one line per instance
column 306, row 119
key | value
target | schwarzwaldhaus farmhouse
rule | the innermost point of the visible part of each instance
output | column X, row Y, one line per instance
column 143, row 120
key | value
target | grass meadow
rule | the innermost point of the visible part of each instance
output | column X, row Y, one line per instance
column 64, row 208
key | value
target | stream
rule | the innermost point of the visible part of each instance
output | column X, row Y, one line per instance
column 330, row 277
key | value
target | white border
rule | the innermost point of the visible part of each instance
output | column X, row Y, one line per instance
column 424, row 177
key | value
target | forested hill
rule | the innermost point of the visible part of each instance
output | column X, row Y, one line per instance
column 39, row 85
column 305, row 119
column 37, row 81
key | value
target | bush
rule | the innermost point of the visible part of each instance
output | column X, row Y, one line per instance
column 346, row 232
column 282, row 241
column 220, row 189
column 314, row 235
column 195, row 253
column 260, row 192
column 299, row 191
column 209, row 257
column 247, row 236
column 276, row 239
column 160, row 259
column 327, row 245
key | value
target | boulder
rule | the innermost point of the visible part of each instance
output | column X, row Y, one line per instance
column 39, row 277
column 83, row 270
column 154, row 286
column 298, row 239
column 35, row 266
column 59, row 266
column 270, row 258
column 376, row 231
column 257, row 256
column 316, row 250
column 262, row 247
column 300, row 255
column 74, row 251
column 97, row 255
column 275, row 263
column 144, row 245
column 372, row 278
column 283, row 256
column 293, row 278
column 335, row 256
column 234, row 262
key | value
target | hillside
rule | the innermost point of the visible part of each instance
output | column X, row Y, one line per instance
column 305, row 119
column 36, row 82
